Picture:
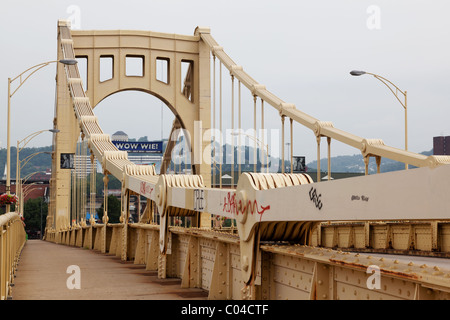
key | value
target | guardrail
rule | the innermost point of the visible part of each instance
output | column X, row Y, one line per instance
column 12, row 240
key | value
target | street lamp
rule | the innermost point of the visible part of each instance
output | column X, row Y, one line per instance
column 391, row 87
column 25, row 142
column 22, row 80
column 18, row 173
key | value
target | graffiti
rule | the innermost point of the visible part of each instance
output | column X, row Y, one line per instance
column 362, row 198
column 145, row 189
column 315, row 198
column 199, row 200
column 231, row 206
column 255, row 208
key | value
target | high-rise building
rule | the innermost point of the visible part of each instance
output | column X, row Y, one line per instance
column 441, row 145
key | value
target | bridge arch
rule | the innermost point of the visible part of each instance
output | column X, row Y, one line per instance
column 178, row 126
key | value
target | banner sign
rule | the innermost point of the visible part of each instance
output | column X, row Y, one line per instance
column 147, row 146
column 299, row 163
column 67, row 161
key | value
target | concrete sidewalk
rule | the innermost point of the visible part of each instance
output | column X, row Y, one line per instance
column 42, row 275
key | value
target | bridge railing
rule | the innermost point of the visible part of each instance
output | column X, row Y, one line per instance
column 12, row 240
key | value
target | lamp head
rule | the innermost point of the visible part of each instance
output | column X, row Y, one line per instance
column 357, row 73
column 69, row 62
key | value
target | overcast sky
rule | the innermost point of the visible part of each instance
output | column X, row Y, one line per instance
column 302, row 51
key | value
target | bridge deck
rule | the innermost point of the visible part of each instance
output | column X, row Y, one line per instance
column 42, row 275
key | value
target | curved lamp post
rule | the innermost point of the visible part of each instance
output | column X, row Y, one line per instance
column 19, row 182
column 396, row 92
column 22, row 79
column 25, row 142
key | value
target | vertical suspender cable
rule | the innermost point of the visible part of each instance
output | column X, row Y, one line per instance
column 92, row 187
column 318, row 158
column 221, row 135
column 239, row 131
column 254, row 127
column 329, row 157
column 214, row 122
column 283, row 165
column 263, row 146
column 232, row 131
column 78, row 173
column 84, row 196
column 292, row 143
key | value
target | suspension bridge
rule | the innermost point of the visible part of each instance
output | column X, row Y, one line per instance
column 293, row 236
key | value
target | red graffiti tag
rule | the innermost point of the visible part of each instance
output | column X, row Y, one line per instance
column 145, row 188
column 230, row 206
column 255, row 208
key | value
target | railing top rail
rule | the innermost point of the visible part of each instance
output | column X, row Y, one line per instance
column 4, row 218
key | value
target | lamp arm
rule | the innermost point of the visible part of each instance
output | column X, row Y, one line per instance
column 29, row 158
column 388, row 84
column 29, row 138
column 36, row 68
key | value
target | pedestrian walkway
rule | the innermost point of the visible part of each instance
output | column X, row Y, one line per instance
column 42, row 275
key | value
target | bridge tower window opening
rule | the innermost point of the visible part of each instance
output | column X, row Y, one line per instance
column 106, row 68
column 134, row 66
column 83, row 70
column 187, row 79
column 163, row 69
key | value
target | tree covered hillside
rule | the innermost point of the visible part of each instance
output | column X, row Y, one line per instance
column 38, row 162
column 355, row 163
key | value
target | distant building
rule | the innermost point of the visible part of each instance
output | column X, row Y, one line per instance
column 441, row 146
column 119, row 136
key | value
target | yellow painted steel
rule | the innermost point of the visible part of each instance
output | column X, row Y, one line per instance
column 268, row 207
column 12, row 240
